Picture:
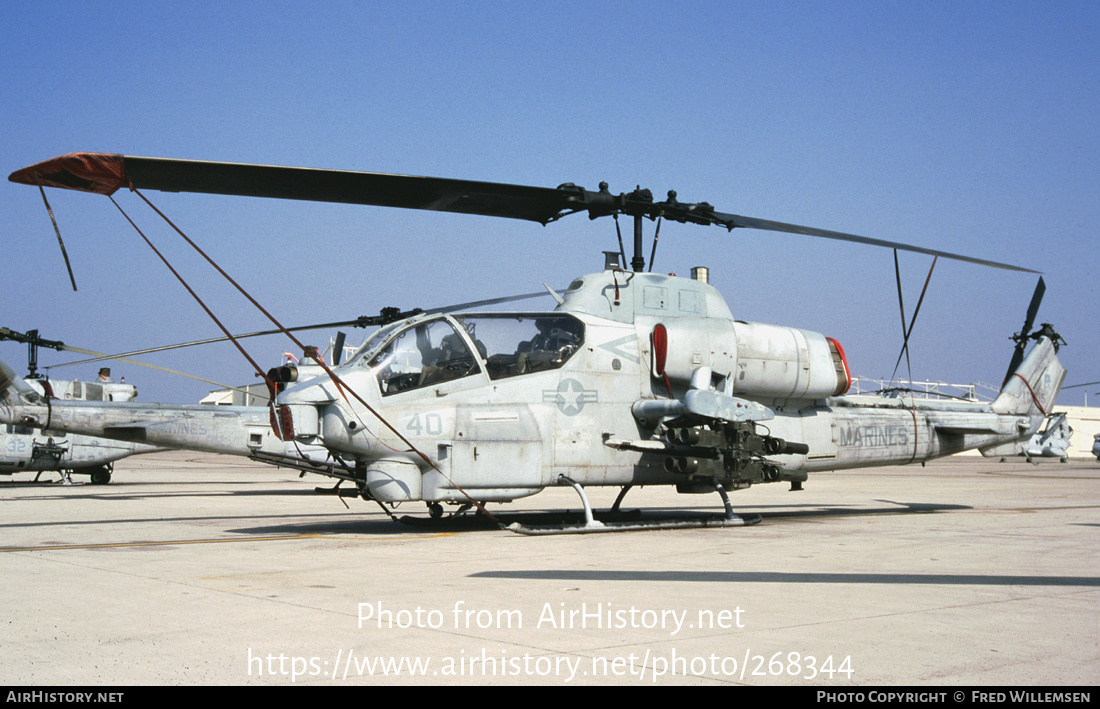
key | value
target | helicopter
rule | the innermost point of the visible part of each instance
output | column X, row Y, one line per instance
column 23, row 449
column 1052, row 441
column 634, row 378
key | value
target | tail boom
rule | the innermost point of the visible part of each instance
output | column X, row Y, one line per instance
column 231, row 430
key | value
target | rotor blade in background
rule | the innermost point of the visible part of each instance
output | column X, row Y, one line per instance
column 362, row 321
column 488, row 301
column 1077, row 386
column 1021, row 337
column 100, row 356
column 104, row 173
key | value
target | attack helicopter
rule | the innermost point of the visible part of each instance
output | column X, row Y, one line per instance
column 635, row 378
column 26, row 450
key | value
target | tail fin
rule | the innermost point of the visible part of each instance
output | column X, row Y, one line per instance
column 1034, row 386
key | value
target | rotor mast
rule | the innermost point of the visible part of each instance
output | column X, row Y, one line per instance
column 638, row 262
column 33, row 343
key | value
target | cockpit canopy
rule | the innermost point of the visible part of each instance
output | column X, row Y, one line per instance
column 438, row 350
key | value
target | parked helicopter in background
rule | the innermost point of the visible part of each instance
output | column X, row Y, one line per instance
column 635, row 378
column 26, row 450
column 1052, row 441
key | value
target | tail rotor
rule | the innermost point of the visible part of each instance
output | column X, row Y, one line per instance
column 1025, row 334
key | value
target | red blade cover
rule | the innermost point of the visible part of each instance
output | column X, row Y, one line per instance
column 101, row 173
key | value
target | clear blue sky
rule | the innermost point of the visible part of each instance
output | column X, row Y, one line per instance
column 970, row 127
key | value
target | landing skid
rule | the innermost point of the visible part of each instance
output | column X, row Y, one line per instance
column 612, row 520
column 593, row 526
column 639, row 526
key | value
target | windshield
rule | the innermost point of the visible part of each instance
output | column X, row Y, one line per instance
column 425, row 354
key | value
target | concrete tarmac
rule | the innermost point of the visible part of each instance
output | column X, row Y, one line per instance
column 198, row 569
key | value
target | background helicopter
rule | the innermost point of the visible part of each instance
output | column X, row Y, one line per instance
column 26, row 450
column 23, row 449
column 1052, row 441
column 636, row 378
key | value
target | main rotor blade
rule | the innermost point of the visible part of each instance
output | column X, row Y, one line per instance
column 104, row 174
column 735, row 220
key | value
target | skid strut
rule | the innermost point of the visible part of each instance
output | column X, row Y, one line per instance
column 589, row 520
column 593, row 526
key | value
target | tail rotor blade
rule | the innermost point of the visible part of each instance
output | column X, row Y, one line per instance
column 1023, row 335
column 338, row 348
column 1033, row 308
column 1017, row 357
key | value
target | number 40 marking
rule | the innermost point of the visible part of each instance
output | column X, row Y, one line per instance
column 429, row 425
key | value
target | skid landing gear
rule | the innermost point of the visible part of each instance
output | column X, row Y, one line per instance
column 593, row 526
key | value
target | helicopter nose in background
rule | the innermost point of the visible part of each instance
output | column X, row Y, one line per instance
column 319, row 411
column 299, row 409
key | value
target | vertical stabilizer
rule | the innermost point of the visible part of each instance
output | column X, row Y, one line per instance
column 1034, row 386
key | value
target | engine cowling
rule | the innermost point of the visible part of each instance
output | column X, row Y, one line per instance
column 757, row 360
